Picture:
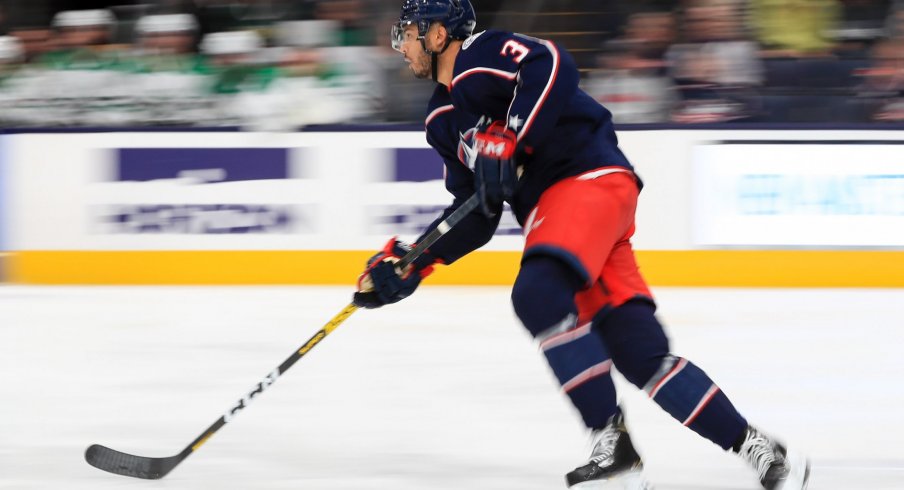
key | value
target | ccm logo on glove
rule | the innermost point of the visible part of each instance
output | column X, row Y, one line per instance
column 496, row 141
column 495, row 170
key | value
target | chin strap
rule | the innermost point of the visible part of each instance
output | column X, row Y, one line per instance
column 433, row 66
column 435, row 56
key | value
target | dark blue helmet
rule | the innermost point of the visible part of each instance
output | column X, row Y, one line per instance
column 456, row 15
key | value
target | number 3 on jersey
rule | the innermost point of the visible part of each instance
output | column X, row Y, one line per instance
column 515, row 49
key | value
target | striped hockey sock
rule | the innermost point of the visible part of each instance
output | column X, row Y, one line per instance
column 687, row 394
column 582, row 366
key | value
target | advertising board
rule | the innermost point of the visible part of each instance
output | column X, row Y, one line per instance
column 729, row 208
column 799, row 194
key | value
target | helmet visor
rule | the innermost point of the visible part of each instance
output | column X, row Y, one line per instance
column 400, row 34
column 396, row 36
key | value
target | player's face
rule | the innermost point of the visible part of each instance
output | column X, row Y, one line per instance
column 420, row 63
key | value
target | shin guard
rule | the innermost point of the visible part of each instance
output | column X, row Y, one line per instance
column 690, row 396
column 582, row 366
column 543, row 297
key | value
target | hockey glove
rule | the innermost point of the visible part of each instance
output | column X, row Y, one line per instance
column 382, row 283
column 495, row 174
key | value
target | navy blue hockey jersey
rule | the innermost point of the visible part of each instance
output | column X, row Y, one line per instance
column 532, row 85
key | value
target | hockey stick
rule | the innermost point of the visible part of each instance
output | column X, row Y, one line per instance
column 125, row 464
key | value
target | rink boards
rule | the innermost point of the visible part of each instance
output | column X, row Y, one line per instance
column 719, row 208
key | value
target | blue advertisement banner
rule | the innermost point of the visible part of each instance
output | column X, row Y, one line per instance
column 188, row 168
column 209, row 164
column 417, row 165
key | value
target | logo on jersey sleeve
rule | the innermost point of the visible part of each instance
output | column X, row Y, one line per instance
column 470, row 40
column 467, row 154
column 515, row 122
column 467, row 151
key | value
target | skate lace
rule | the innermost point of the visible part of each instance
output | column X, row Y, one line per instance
column 604, row 444
column 758, row 451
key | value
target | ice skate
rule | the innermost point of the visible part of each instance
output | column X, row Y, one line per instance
column 613, row 464
column 777, row 468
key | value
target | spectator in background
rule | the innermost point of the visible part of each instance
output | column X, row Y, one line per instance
column 230, row 15
column 862, row 23
column 80, row 37
column 79, row 81
column 884, row 81
column 233, row 58
column 894, row 23
column 792, row 28
column 632, row 81
column 713, row 32
column 12, row 54
column 304, row 42
column 83, row 56
column 168, row 35
column 354, row 59
column 168, row 79
column 245, row 81
column 652, row 34
column 11, row 57
column 314, row 81
column 717, row 67
column 76, row 29
column 36, row 41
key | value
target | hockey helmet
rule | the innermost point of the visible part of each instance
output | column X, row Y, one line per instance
column 456, row 15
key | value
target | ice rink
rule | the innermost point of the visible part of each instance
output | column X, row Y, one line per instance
column 443, row 391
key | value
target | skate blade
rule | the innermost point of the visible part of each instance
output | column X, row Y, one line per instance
column 632, row 480
column 799, row 476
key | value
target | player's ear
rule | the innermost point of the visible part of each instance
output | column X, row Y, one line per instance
column 437, row 34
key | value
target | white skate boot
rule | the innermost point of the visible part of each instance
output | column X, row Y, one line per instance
column 613, row 464
column 777, row 468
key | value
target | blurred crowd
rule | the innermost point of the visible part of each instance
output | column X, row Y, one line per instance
column 259, row 65
column 285, row 64
column 806, row 61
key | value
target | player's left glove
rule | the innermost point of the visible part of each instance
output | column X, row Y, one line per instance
column 495, row 173
column 382, row 283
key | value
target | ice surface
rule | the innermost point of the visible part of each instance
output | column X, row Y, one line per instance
column 443, row 391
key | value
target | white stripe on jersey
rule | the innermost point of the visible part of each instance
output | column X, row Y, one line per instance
column 482, row 69
column 552, row 78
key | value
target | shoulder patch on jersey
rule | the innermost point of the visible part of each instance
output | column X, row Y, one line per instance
column 468, row 41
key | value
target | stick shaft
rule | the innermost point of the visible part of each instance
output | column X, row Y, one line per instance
column 440, row 230
column 271, row 377
column 154, row 468
column 469, row 205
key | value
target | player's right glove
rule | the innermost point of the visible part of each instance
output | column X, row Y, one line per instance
column 382, row 283
column 495, row 174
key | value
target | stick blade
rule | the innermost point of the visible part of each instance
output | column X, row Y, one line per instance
column 120, row 463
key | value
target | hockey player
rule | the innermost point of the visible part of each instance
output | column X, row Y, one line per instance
column 511, row 124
